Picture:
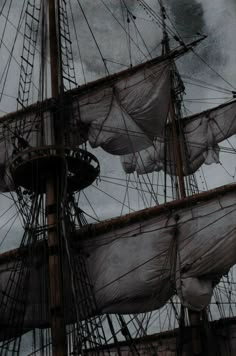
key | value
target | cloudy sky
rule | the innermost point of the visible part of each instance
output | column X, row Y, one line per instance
column 107, row 21
column 216, row 18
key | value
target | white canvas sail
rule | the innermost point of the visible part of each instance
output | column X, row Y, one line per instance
column 126, row 117
column 121, row 116
column 119, row 134
column 69, row 273
column 139, row 264
column 202, row 133
column 121, row 113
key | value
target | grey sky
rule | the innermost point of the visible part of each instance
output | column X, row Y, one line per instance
column 213, row 18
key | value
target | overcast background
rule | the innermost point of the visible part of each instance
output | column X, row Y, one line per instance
column 214, row 18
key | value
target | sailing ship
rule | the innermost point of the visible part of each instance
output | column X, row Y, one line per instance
column 77, row 286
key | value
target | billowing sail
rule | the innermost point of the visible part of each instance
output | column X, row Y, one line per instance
column 125, row 117
column 121, row 113
column 121, row 116
column 136, row 263
column 128, row 120
column 201, row 135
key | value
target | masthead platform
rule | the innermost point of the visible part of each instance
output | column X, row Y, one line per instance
column 31, row 168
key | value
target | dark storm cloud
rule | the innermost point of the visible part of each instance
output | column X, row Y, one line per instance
column 191, row 17
column 188, row 16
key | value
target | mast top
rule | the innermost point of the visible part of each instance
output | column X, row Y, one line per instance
column 54, row 48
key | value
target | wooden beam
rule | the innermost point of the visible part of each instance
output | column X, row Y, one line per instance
column 97, row 229
column 53, row 203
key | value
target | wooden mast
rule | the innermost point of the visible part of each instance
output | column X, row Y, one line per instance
column 176, row 142
column 194, row 317
column 53, row 186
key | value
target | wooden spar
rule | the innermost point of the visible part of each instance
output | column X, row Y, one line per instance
column 177, row 153
column 92, row 230
column 99, row 83
column 54, row 55
column 53, row 187
column 176, row 144
column 194, row 317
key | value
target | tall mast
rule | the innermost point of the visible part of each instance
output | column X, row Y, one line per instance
column 54, row 50
column 173, row 110
column 194, row 317
column 53, row 186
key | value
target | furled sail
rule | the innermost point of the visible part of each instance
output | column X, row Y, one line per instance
column 124, row 118
column 201, row 132
column 122, row 113
column 121, row 116
column 125, row 111
column 139, row 263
